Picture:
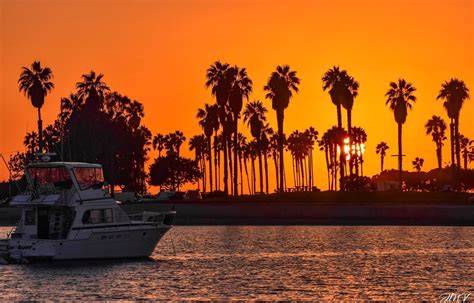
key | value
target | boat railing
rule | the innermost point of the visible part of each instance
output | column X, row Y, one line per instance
column 155, row 218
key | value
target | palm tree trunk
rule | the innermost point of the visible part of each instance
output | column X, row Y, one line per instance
column 241, row 175
column 349, row 132
column 236, row 174
column 266, row 172
column 275, row 161
column 294, row 171
column 327, row 166
column 339, row 116
column 439, row 155
column 226, row 173
column 451, row 132
column 215, row 163
column 40, row 131
column 247, row 174
column 260, row 169
column 356, row 162
column 334, row 176
column 280, row 118
column 381, row 163
column 400, row 155
column 311, row 167
column 218, row 177
column 210, row 162
column 196, row 159
column 254, row 180
column 203, row 165
column 308, row 172
column 458, row 150
column 229, row 146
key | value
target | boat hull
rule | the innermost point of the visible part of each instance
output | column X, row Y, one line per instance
column 99, row 244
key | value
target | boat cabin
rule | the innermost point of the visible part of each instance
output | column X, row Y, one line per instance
column 63, row 195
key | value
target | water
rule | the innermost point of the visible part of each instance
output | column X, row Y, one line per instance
column 266, row 263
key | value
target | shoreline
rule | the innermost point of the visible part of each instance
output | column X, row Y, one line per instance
column 324, row 208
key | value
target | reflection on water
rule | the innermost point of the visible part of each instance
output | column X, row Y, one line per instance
column 318, row 263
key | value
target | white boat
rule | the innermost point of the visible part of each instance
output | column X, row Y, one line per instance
column 66, row 214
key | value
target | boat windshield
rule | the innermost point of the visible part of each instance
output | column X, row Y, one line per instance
column 89, row 177
column 59, row 176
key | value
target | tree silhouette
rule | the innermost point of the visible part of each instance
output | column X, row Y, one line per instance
column 400, row 98
column 280, row 88
column 454, row 92
column 312, row 137
column 209, row 121
column 357, row 142
column 254, row 115
column 382, row 150
column 436, row 127
column 173, row 142
column 342, row 90
column 35, row 83
column 241, row 88
column 91, row 86
column 418, row 164
column 198, row 143
column 220, row 83
column 330, row 144
column 465, row 144
column 274, row 151
column 172, row 171
column 159, row 143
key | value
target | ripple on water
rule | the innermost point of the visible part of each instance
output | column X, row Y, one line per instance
column 266, row 263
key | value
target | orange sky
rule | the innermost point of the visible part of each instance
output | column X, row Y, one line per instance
column 157, row 52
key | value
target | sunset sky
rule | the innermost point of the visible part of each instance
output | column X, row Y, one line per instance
column 157, row 52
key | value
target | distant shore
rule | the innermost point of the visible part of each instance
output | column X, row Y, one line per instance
column 324, row 208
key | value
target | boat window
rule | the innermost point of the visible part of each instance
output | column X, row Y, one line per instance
column 98, row 216
column 89, row 177
column 59, row 176
column 30, row 217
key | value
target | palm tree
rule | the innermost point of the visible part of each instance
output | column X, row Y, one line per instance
column 280, row 88
column 218, row 80
column 274, row 150
column 254, row 115
column 31, row 142
column 465, row 145
column 92, row 87
column 359, row 138
column 241, row 88
column 158, row 143
column 324, row 145
column 265, row 149
column 400, row 98
column 209, row 121
column 35, row 84
column 332, row 81
column 177, row 138
column 342, row 90
column 330, row 144
column 418, row 164
column 312, row 137
column 454, row 92
column 436, row 127
column 241, row 144
column 381, row 149
column 198, row 143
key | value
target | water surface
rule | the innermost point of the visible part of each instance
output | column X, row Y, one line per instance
column 267, row 263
